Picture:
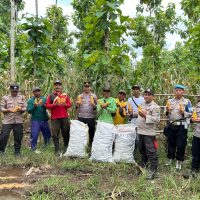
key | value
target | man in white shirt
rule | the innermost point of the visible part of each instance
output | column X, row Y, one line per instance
column 135, row 101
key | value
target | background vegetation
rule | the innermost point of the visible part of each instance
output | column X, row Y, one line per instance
column 45, row 49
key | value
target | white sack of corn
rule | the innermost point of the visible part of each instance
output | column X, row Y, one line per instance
column 124, row 143
column 78, row 140
column 103, row 142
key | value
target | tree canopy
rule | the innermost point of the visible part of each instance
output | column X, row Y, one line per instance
column 103, row 53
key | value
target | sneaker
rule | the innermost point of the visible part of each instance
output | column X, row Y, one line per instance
column 37, row 151
column 178, row 165
column 151, row 174
column 169, row 162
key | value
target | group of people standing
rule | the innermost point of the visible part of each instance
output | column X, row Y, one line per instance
column 139, row 110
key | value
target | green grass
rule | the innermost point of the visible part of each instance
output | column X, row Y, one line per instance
column 82, row 179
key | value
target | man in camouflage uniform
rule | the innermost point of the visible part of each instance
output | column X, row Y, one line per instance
column 179, row 109
column 148, row 118
column 12, row 106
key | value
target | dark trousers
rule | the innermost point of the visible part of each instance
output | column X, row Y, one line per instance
column 148, row 151
column 91, row 124
column 196, row 153
column 5, row 133
column 36, row 127
column 58, row 125
column 177, row 141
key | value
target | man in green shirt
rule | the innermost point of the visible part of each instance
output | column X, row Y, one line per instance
column 39, row 118
column 106, row 107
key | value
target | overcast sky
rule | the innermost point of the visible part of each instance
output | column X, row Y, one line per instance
column 128, row 8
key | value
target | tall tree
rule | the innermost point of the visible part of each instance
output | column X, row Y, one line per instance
column 150, row 33
column 103, row 53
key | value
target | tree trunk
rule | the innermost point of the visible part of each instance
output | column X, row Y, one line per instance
column 12, row 40
column 36, row 8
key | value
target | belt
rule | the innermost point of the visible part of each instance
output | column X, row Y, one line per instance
column 177, row 123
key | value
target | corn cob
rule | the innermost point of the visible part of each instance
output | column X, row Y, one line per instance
column 194, row 115
column 181, row 107
column 168, row 104
column 139, row 108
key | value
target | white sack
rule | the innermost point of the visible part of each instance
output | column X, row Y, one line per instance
column 124, row 143
column 78, row 140
column 103, row 142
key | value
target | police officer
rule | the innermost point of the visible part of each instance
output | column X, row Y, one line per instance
column 12, row 106
column 148, row 118
column 195, row 143
column 177, row 110
column 86, row 107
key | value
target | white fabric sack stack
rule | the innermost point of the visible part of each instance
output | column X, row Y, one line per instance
column 78, row 140
column 103, row 142
column 124, row 143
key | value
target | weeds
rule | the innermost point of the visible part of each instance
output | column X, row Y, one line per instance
column 81, row 179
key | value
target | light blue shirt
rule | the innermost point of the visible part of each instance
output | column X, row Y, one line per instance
column 138, row 101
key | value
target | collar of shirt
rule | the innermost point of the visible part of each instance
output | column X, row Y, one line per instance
column 57, row 93
column 149, row 104
column 178, row 100
column 13, row 96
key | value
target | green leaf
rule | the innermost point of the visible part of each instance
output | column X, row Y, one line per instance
column 100, row 14
column 111, row 5
column 86, row 56
column 113, row 16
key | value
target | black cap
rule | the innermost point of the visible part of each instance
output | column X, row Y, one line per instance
column 14, row 87
column 106, row 89
column 86, row 83
column 36, row 89
column 136, row 87
column 122, row 91
column 150, row 91
column 58, row 82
